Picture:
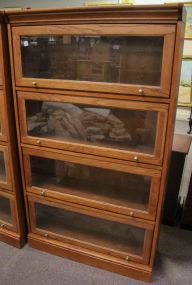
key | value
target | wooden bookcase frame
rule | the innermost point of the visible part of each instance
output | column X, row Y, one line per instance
column 171, row 15
column 11, row 186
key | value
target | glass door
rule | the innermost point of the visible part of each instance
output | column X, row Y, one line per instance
column 119, row 188
column 1, row 59
column 121, row 58
column 97, row 232
column 5, row 175
column 3, row 136
column 7, row 212
column 126, row 130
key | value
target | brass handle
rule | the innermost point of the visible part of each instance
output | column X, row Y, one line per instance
column 136, row 158
column 141, row 92
column 127, row 258
column 43, row 193
column 34, row 83
column 131, row 214
column 2, row 226
column 39, row 141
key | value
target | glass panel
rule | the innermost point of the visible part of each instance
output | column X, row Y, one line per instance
column 2, row 167
column 114, row 187
column 112, row 235
column 0, row 126
column 115, row 59
column 1, row 75
column 5, row 210
column 1, row 108
column 133, row 130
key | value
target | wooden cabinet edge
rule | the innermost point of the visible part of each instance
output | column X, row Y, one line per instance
column 12, row 238
column 14, row 190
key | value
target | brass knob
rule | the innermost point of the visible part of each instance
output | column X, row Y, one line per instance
column 127, row 258
column 141, row 92
column 34, row 83
column 2, row 226
column 43, row 193
column 39, row 141
column 131, row 214
column 136, row 158
column 46, row 235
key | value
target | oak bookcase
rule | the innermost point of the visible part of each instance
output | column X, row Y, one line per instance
column 95, row 92
column 12, row 217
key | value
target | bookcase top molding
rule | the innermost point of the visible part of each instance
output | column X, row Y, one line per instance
column 99, row 14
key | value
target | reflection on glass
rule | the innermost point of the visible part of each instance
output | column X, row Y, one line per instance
column 2, row 167
column 5, row 210
column 115, row 59
column 110, row 127
column 99, row 184
column 1, row 108
column 1, row 75
column 112, row 235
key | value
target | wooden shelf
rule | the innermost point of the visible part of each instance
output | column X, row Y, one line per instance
column 122, row 196
column 111, row 235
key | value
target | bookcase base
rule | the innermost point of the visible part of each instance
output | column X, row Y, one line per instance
column 140, row 272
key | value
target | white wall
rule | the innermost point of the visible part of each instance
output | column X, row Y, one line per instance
column 144, row 2
column 40, row 3
column 181, row 123
column 64, row 3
